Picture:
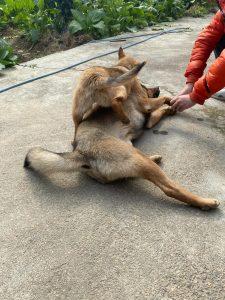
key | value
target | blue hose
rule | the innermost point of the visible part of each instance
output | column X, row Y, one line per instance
column 150, row 36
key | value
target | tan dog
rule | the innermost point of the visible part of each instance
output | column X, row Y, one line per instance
column 110, row 87
column 104, row 151
column 103, row 87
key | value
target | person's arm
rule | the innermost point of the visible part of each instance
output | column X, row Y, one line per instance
column 204, row 45
column 195, row 89
column 205, row 87
column 212, row 82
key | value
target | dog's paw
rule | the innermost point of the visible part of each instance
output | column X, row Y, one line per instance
column 167, row 100
column 210, row 204
column 168, row 110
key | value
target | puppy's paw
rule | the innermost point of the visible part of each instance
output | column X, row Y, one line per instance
column 210, row 204
column 168, row 109
column 167, row 100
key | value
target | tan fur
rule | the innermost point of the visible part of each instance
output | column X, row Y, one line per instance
column 110, row 87
column 104, row 151
column 104, row 87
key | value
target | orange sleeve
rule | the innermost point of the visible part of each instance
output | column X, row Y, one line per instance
column 212, row 82
column 204, row 45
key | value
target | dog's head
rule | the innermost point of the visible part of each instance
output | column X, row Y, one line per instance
column 130, row 62
column 126, row 60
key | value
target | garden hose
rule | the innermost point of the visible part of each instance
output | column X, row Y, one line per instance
column 149, row 37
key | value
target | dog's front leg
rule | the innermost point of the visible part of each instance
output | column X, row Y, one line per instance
column 151, row 104
column 94, row 108
column 118, row 96
column 158, row 114
column 117, row 106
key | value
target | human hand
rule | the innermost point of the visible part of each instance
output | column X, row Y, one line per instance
column 181, row 103
column 187, row 89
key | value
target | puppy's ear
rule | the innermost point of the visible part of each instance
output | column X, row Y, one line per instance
column 121, row 53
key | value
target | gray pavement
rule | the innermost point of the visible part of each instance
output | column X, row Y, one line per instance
column 74, row 238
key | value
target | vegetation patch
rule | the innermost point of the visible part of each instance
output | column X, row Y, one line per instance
column 38, row 27
column 7, row 58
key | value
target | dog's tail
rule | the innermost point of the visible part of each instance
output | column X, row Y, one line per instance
column 123, row 79
column 46, row 162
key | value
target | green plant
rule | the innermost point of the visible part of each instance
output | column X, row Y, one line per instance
column 90, row 22
column 34, row 25
column 64, row 6
column 168, row 10
column 30, row 16
column 98, row 18
column 103, row 17
column 205, row 3
column 197, row 11
column 198, row 8
column 7, row 58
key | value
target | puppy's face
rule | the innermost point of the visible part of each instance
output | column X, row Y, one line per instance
column 126, row 61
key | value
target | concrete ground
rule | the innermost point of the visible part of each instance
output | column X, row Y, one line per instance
column 74, row 238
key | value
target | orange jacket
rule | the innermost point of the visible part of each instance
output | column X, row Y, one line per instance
column 214, row 80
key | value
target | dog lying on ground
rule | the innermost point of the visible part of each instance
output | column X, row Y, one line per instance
column 110, row 87
column 105, row 152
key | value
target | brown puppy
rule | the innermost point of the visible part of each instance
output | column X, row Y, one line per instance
column 145, row 98
column 105, row 87
column 110, row 87
column 104, row 151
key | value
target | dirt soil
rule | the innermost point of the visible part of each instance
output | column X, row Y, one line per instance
column 50, row 43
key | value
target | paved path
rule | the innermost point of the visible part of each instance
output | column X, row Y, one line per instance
column 77, row 239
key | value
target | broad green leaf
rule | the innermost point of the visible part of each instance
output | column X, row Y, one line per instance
column 96, row 15
column 41, row 4
column 132, row 29
column 4, row 53
column 14, row 58
column 34, row 35
column 78, row 16
column 100, row 25
column 74, row 27
column 2, row 66
column 115, row 28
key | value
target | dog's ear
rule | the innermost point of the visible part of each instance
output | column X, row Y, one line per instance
column 121, row 53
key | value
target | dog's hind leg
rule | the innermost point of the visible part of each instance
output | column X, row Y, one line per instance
column 126, row 161
column 138, row 164
column 158, row 114
column 152, row 172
